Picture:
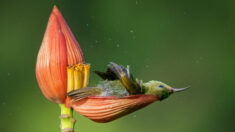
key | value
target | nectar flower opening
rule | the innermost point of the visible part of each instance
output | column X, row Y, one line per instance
column 78, row 76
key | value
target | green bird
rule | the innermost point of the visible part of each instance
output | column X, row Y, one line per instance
column 118, row 81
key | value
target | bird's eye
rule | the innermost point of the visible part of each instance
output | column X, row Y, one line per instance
column 161, row 86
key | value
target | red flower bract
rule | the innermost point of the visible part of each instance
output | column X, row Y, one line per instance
column 59, row 49
column 106, row 109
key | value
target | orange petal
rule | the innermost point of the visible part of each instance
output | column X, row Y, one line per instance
column 106, row 109
column 75, row 55
column 52, row 62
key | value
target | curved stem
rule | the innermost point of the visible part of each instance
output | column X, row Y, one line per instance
column 66, row 119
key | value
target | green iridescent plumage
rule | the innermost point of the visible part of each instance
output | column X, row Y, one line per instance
column 118, row 81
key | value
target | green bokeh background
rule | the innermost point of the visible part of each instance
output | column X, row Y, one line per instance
column 180, row 42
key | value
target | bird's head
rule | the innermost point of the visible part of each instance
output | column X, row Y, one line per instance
column 160, row 89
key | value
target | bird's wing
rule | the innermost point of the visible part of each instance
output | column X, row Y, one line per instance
column 84, row 93
column 108, row 75
column 115, row 72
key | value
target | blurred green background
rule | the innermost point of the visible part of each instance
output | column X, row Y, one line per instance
column 178, row 42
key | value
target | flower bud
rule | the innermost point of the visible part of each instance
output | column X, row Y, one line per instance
column 74, row 51
column 59, row 49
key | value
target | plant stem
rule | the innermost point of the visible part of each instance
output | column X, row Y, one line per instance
column 66, row 119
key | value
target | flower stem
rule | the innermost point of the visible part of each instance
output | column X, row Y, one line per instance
column 66, row 119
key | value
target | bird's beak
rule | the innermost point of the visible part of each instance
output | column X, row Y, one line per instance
column 178, row 89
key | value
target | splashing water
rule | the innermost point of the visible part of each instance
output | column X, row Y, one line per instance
column 112, row 88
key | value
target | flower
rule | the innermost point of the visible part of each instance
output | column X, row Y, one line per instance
column 58, row 50
column 60, row 68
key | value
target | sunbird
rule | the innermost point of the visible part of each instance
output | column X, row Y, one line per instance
column 118, row 81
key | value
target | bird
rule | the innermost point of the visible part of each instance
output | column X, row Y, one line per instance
column 118, row 81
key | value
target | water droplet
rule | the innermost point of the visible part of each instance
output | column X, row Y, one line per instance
column 146, row 66
column 118, row 45
column 131, row 31
column 87, row 24
column 8, row 74
column 92, row 46
column 134, row 116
